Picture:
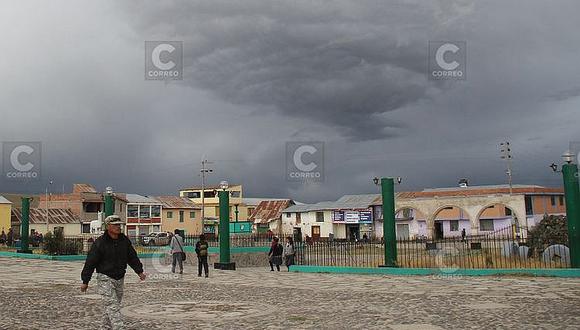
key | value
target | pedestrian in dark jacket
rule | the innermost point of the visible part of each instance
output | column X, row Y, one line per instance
column 109, row 255
column 275, row 254
column 201, row 249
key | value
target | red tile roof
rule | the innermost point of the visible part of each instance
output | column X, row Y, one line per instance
column 474, row 191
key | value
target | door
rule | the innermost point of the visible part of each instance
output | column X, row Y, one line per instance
column 402, row 231
column 352, row 232
column 438, row 230
column 315, row 232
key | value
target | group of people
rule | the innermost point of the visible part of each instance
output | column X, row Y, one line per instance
column 279, row 253
column 7, row 239
column 178, row 254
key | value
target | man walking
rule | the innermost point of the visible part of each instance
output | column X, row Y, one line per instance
column 177, row 252
column 109, row 255
column 201, row 249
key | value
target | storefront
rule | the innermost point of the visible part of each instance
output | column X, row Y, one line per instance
column 352, row 224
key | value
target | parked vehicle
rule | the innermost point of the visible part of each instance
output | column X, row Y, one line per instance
column 156, row 239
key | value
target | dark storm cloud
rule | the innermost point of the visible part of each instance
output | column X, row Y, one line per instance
column 339, row 63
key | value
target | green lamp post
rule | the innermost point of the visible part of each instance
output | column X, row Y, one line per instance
column 572, row 195
column 224, row 229
column 25, row 226
column 389, row 233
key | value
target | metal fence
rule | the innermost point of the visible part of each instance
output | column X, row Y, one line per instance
column 507, row 248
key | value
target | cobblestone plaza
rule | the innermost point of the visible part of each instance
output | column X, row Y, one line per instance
column 39, row 294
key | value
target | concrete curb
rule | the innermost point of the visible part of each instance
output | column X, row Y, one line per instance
column 555, row 272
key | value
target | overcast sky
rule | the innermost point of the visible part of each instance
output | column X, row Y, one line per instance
column 259, row 74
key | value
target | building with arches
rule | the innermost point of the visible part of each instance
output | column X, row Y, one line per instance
column 447, row 212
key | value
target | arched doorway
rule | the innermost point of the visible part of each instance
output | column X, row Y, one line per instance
column 450, row 221
column 410, row 223
column 496, row 217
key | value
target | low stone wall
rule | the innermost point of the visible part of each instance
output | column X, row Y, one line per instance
column 251, row 259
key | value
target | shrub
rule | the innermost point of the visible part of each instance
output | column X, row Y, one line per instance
column 57, row 244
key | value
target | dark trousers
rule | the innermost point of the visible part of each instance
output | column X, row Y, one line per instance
column 202, row 262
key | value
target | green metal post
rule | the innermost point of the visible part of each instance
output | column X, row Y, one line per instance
column 109, row 205
column 24, row 226
column 389, row 234
column 572, row 193
column 224, row 198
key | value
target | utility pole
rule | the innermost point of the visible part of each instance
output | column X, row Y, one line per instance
column 203, row 171
column 506, row 153
column 47, row 200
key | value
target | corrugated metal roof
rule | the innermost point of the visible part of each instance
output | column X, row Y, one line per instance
column 176, row 202
column 270, row 210
column 4, row 200
column 256, row 200
column 209, row 187
column 134, row 198
column 346, row 202
column 38, row 216
column 83, row 187
column 356, row 201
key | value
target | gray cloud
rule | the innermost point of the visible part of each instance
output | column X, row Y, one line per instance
column 260, row 73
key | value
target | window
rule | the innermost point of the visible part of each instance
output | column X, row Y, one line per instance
column 561, row 200
column 92, row 207
column 288, row 214
column 132, row 211
column 156, row 211
column 194, row 194
column 553, row 200
column 169, row 214
column 86, row 228
column 486, row 225
column 529, row 205
column 235, row 194
column 192, row 214
column 454, row 225
column 319, row 216
column 209, row 194
column 145, row 211
column 181, row 215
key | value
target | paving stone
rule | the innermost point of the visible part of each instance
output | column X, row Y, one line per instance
column 40, row 294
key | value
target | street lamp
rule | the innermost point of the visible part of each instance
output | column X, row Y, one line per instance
column 109, row 205
column 568, row 157
column 224, row 185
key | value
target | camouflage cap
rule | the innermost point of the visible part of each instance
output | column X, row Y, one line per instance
column 113, row 220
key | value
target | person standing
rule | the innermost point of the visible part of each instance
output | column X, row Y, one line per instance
column 10, row 237
column 201, row 249
column 177, row 251
column 2, row 237
column 463, row 235
column 289, row 252
column 109, row 255
column 275, row 254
